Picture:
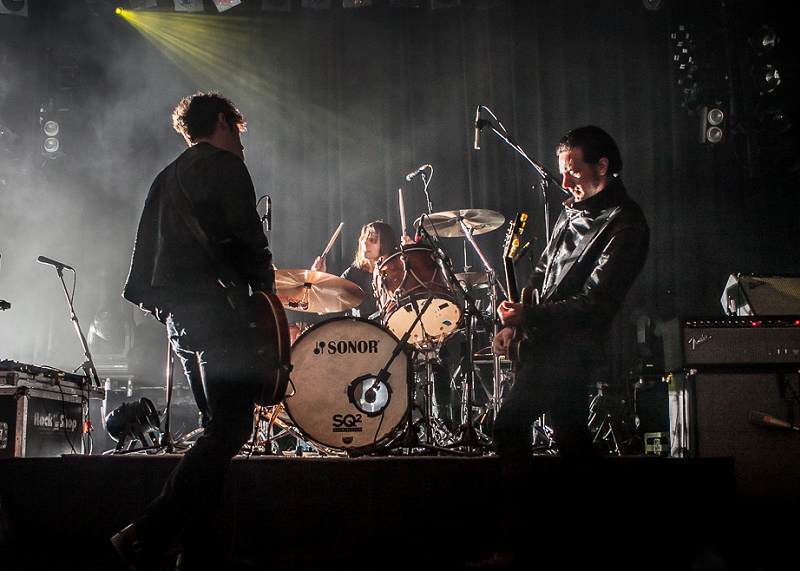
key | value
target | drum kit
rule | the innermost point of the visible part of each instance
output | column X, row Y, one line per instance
column 361, row 386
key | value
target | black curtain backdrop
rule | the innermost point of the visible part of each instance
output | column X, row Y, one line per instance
column 342, row 103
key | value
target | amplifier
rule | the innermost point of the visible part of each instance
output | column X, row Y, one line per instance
column 694, row 343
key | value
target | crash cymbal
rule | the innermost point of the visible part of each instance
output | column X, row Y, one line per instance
column 316, row 292
column 447, row 224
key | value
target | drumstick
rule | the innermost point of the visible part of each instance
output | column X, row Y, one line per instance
column 333, row 239
column 402, row 211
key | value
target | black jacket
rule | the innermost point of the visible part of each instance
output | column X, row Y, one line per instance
column 581, row 286
column 169, row 265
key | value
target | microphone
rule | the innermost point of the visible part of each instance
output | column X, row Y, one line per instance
column 267, row 218
column 767, row 420
column 57, row 265
column 478, row 126
column 412, row 174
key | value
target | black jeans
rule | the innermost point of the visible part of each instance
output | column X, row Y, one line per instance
column 216, row 349
column 535, row 504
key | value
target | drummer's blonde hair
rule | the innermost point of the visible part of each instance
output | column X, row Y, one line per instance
column 386, row 238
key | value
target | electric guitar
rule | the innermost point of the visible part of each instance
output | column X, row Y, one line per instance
column 527, row 296
column 510, row 249
column 273, row 327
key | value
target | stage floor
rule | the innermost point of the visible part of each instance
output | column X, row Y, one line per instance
column 391, row 512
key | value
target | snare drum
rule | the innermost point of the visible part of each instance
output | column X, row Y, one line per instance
column 403, row 282
column 337, row 401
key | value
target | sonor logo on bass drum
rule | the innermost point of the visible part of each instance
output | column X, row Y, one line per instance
column 346, row 347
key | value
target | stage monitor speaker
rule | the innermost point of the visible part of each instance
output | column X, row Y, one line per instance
column 740, row 415
column 761, row 295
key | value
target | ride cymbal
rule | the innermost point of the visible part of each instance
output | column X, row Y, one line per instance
column 448, row 224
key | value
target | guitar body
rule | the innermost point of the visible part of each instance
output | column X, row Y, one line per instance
column 273, row 326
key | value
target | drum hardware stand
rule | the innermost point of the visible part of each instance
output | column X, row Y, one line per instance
column 467, row 435
column 270, row 416
column 437, row 432
column 409, row 438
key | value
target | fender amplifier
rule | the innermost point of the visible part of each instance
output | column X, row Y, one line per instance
column 696, row 343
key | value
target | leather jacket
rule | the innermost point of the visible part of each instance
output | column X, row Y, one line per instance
column 169, row 265
column 597, row 249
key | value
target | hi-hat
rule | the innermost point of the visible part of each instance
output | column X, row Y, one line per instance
column 448, row 224
column 316, row 292
column 473, row 279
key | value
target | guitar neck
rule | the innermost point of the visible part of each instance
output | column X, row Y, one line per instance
column 511, row 280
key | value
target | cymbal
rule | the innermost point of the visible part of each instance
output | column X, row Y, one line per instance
column 316, row 292
column 473, row 279
column 447, row 224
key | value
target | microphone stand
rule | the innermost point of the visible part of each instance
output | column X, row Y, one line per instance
column 468, row 434
column 545, row 176
column 88, row 365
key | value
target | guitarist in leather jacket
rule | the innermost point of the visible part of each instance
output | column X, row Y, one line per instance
column 174, row 275
column 598, row 247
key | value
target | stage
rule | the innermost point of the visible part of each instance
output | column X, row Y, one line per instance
column 398, row 511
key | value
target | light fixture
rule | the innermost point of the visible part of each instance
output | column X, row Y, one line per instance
column 712, row 128
column 188, row 5
column 51, row 145
column 356, row 3
column 50, row 128
column 223, row 5
column 765, row 40
column 133, row 422
column 16, row 7
column 767, row 78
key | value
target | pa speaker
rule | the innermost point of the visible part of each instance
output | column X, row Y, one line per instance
column 750, row 417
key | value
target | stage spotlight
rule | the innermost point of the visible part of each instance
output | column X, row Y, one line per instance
column 51, row 128
column 765, row 40
column 133, row 422
column 188, row 5
column 712, row 125
column 767, row 78
column 356, row 3
column 16, row 7
column 223, row 5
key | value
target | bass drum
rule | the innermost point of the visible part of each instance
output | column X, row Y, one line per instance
column 335, row 399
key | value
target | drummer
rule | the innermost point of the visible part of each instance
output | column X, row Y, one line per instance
column 377, row 240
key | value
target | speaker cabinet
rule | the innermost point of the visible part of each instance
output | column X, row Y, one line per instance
column 715, row 414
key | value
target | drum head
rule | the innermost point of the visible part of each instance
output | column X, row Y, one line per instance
column 338, row 401
column 439, row 321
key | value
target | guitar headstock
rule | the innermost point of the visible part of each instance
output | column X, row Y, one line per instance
column 515, row 229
